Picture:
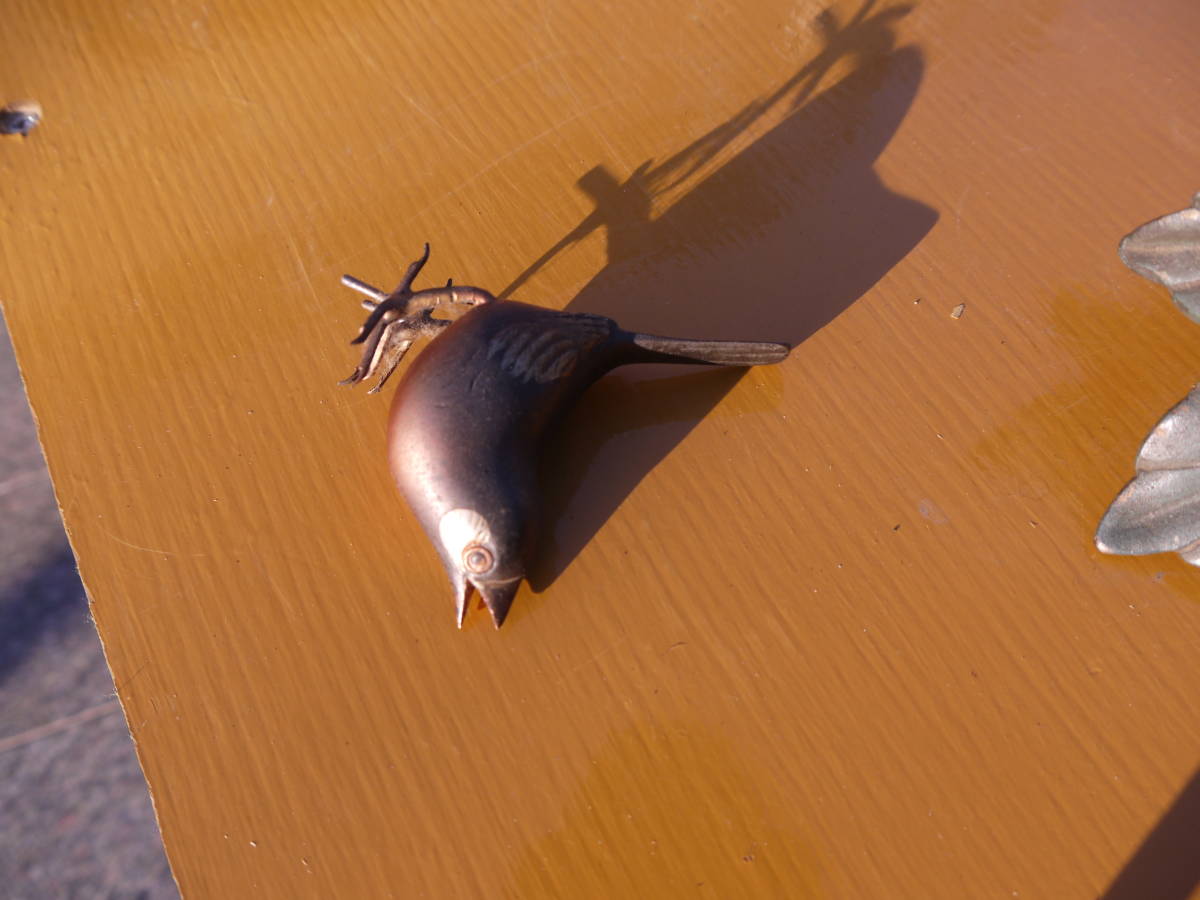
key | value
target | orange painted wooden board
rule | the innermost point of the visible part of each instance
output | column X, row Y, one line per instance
column 835, row 628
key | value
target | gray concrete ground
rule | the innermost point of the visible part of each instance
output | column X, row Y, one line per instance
column 75, row 815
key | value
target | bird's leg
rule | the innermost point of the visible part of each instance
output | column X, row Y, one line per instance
column 397, row 300
column 451, row 295
column 374, row 294
column 410, row 274
column 391, row 351
column 399, row 318
column 385, row 347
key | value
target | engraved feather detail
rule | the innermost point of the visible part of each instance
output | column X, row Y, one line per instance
column 544, row 350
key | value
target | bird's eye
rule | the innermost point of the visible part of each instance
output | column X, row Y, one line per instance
column 477, row 558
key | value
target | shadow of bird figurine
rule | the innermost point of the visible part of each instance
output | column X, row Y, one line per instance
column 469, row 416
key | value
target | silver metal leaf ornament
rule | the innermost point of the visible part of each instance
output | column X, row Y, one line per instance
column 1159, row 511
column 1167, row 250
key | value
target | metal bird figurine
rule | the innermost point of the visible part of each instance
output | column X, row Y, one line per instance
column 469, row 416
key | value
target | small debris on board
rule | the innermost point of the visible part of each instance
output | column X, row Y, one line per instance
column 957, row 312
column 20, row 117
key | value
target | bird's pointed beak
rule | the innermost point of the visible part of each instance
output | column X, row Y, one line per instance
column 498, row 597
column 462, row 589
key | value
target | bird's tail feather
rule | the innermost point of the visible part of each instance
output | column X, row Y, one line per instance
column 717, row 353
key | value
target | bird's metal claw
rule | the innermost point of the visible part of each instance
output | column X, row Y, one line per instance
column 386, row 344
column 399, row 318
